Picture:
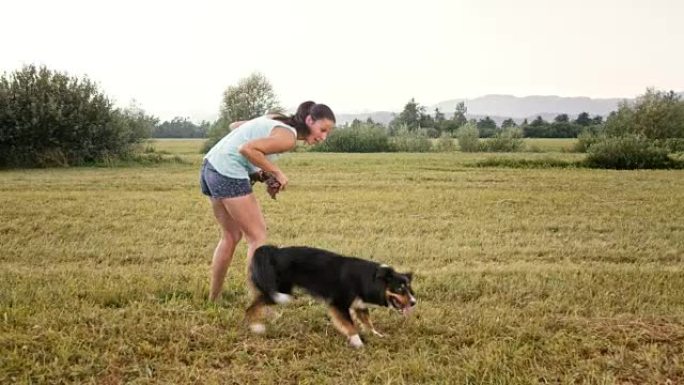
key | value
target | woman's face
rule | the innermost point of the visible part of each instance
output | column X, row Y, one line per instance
column 318, row 129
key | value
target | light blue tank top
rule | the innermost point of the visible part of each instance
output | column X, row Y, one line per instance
column 225, row 155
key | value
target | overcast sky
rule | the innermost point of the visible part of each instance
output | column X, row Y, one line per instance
column 177, row 58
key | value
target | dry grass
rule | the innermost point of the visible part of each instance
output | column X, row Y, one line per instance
column 550, row 144
column 523, row 276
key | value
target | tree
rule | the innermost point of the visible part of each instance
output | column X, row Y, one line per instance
column 449, row 126
column 654, row 115
column 536, row 129
column 639, row 134
column 180, row 128
column 444, row 127
column 140, row 125
column 538, row 121
column 560, row 128
column 410, row 117
column 253, row 96
column 50, row 118
column 583, row 119
column 508, row 123
column 563, row 130
column 356, row 123
column 487, row 127
column 460, row 114
column 439, row 116
column 562, row 118
column 426, row 120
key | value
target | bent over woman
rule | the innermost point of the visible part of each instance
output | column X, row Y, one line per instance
column 252, row 147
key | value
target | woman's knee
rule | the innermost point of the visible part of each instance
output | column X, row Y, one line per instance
column 256, row 239
column 245, row 211
column 233, row 236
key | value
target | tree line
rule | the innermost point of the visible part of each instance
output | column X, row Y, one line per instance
column 180, row 127
column 414, row 118
column 50, row 118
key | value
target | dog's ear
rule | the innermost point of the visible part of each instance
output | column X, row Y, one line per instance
column 384, row 273
column 409, row 275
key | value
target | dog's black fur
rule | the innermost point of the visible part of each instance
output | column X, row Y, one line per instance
column 345, row 283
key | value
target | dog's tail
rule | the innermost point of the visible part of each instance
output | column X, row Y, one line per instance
column 264, row 275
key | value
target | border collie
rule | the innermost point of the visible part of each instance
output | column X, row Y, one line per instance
column 346, row 284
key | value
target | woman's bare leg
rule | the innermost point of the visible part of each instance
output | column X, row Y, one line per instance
column 246, row 212
column 223, row 254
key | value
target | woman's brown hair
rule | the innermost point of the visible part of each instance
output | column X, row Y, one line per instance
column 298, row 120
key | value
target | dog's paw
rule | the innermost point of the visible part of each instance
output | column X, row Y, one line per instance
column 281, row 298
column 355, row 341
column 377, row 333
column 257, row 328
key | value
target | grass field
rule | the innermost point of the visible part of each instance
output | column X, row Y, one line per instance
column 544, row 144
column 523, row 276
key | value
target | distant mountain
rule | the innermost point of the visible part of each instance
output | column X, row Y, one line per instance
column 531, row 106
column 500, row 107
column 383, row 117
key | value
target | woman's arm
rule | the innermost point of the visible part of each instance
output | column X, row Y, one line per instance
column 280, row 140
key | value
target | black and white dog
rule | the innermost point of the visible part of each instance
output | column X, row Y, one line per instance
column 347, row 284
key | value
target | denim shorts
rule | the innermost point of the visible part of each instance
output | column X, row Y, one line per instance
column 217, row 185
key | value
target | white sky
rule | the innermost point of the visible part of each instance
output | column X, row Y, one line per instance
column 176, row 58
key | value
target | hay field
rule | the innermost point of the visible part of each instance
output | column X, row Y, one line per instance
column 523, row 276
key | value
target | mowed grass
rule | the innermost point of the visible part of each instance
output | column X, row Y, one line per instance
column 177, row 146
column 523, row 276
column 550, row 144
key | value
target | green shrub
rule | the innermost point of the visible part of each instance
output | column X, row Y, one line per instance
column 587, row 137
column 445, row 143
column 431, row 132
column 508, row 140
column 584, row 140
column 468, row 137
column 371, row 138
column 358, row 139
column 654, row 115
column 50, row 119
column 672, row 145
column 627, row 152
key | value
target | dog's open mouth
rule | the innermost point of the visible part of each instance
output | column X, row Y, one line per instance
column 404, row 309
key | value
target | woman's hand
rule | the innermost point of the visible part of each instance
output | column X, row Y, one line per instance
column 273, row 184
column 282, row 179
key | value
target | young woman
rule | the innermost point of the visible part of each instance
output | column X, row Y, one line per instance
column 250, row 147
